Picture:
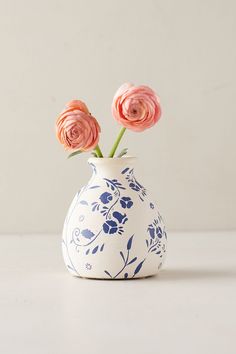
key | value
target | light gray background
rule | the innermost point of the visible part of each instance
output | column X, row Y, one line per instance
column 53, row 51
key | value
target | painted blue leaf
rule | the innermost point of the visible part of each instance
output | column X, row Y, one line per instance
column 105, row 271
column 87, row 252
column 122, row 255
column 83, row 202
column 138, row 267
column 151, row 231
column 125, row 170
column 126, row 275
column 147, row 243
column 158, row 252
column 129, row 244
column 101, row 249
column 154, row 249
column 87, row 233
column 132, row 260
column 93, row 187
column 138, row 184
column 95, row 250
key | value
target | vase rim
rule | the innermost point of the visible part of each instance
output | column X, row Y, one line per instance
column 114, row 160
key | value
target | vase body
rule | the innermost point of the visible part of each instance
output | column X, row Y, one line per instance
column 113, row 229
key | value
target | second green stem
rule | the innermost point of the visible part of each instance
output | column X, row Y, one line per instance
column 98, row 151
column 116, row 143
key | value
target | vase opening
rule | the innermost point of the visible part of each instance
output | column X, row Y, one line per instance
column 106, row 165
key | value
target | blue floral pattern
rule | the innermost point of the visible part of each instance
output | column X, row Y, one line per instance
column 154, row 245
column 133, row 183
column 114, row 205
column 156, row 233
column 113, row 219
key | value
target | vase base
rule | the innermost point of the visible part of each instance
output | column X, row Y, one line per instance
column 110, row 279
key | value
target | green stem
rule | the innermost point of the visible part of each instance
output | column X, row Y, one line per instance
column 116, row 143
column 98, row 151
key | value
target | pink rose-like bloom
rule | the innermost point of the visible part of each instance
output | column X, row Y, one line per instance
column 77, row 104
column 76, row 129
column 136, row 107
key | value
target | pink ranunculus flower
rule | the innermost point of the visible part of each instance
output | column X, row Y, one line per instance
column 76, row 129
column 77, row 104
column 136, row 107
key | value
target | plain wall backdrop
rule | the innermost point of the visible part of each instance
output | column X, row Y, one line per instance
column 53, row 51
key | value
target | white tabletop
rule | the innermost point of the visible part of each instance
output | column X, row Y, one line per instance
column 189, row 308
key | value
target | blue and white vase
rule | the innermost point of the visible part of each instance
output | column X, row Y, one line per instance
column 113, row 229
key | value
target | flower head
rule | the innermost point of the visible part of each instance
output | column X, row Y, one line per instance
column 136, row 107
column 110, row 227
column 76, row 128
column 106, row 197
column 76, row 105
column 88, row 266
column 126, row 202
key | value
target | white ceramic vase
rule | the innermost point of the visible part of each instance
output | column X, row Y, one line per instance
column 113, row 229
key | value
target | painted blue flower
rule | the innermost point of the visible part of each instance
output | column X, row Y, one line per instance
column 106, row 197
column 88, row 266
column 122, row 218
column 110, row 227
column 126, row 202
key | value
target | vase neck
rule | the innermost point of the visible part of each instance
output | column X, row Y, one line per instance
column 111, row 167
